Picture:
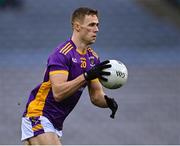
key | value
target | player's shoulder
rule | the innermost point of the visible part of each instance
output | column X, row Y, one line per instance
column 63, row 50
column 91, row 51
column 66, row 47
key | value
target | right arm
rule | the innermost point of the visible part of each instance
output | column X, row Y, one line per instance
column 62, row 88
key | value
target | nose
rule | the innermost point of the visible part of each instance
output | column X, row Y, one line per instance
column 96, row 29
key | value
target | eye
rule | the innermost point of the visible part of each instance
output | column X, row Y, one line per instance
column 91, row 24
column 94, row 24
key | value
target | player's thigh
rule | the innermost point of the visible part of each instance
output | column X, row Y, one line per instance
column 48, row 138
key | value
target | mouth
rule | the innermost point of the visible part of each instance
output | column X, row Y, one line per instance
column 94, row 36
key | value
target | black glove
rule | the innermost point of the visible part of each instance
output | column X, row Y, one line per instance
column 112, row 105
column 97, row 71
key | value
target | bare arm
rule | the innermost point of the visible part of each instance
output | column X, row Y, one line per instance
column 62, row 88
column 99, row 98
column 96, row 94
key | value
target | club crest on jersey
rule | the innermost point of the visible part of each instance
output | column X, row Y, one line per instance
column 92, row 62
column 74, row 60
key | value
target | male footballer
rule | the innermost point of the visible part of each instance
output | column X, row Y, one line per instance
column 71, row 67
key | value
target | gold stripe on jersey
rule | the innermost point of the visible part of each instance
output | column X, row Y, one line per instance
column 59, row 72
column 62, row 49
column 89, row 49
column 36, row 106
column 68, row 50
column 93, row 52
column 37, row 127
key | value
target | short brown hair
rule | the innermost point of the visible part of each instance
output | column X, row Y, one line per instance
column 80, row 13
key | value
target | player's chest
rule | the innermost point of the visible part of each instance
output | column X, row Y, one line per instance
column 80, row 64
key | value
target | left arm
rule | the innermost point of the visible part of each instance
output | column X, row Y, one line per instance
column 96, row 93
column 99, row 98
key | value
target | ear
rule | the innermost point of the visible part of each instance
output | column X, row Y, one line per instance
column 77, row 26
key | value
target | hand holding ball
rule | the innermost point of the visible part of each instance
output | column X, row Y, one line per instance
column 118, row 76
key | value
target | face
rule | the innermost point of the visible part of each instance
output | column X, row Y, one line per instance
column 88, row 29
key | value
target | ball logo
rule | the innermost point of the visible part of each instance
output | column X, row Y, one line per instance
column 120, row 74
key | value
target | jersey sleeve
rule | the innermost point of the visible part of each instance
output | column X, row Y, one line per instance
column 97, row 60
column 58, row 63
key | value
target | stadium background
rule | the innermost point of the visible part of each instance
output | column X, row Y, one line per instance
column 144, row 34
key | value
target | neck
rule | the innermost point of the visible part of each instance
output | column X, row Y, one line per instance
column 81, row 46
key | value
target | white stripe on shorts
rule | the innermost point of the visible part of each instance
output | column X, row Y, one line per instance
column 27, row 128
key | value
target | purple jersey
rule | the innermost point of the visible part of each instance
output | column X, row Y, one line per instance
column 65, row 59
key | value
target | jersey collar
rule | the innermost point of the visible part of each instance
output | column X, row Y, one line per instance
column 81, row 53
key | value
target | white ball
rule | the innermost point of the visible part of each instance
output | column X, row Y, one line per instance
column 118, row 77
